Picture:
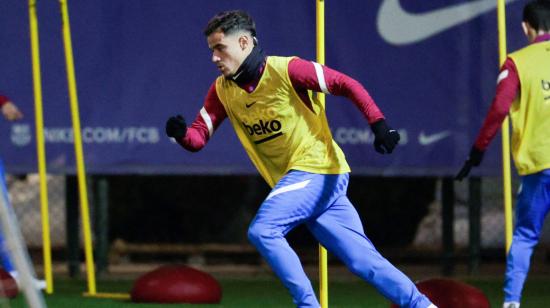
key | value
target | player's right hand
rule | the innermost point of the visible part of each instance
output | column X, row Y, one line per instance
column 474, row 159
column 176, row 127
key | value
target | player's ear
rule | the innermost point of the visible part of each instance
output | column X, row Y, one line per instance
column 525, row 27
column 530, row 31
column 244, row 41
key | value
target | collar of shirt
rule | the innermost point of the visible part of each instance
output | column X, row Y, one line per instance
column 542, row 38
column 250, row 71
column 251, row 86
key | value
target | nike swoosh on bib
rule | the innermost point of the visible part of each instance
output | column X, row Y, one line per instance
column 399, row 27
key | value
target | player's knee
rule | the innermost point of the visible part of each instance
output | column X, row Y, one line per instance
column 257, row 233
column 361, row 267
column 365, row 266
column 530, row 235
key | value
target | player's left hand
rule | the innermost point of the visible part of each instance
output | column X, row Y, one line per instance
column 385, row 138
column 474, row 160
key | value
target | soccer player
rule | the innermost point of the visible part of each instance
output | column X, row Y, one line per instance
column 523, row 90
column 10, row 113
column 284, row 130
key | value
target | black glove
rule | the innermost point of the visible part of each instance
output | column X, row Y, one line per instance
column 176, row 127
column 385, row 138
column 474, row 159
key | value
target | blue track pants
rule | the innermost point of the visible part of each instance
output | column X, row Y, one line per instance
column 4, row 253
column 320, row 201
column 532, row 207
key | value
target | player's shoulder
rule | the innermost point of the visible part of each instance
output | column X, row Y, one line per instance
column 526, row 51
column 279, row 60
column 281, row 63
column 221, row 82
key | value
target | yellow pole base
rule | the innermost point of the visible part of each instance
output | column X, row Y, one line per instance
column 108, row 295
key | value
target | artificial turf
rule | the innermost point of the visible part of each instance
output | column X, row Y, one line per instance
column 268, row 292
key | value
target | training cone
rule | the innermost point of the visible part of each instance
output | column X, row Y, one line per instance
column 8, row 285
column 176, row 284
column 448, row 293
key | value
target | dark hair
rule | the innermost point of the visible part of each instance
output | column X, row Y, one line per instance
column 231, row 21
column 537, row 14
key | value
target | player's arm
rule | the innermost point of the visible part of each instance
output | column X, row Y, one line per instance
column 508, row 85
column 316, row 77
column 307, row 75
column 3, row 100
column 209, row 118
column 507, row 89
column 9, row 109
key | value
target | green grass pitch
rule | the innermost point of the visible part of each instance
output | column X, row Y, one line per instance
column 268, row 292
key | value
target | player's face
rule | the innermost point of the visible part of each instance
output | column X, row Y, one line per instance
column 228, row 51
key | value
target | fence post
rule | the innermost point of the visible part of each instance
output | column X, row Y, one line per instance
column 102, row 224
column 72, row 221
column 447, row 201
column 474, row 211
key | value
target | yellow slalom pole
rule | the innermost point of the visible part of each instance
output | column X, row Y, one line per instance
column 506, row 168
column 40, row 146
column 323, row 268
column 81, row 172
column 121, row 296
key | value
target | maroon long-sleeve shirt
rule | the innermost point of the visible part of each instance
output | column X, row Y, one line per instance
column 304, row 77
column 3, row 100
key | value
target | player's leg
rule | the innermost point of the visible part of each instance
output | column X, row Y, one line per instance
column 296, row 197
column 532, row 207
column 5, row 255
column 339, row 229
column 4, row 252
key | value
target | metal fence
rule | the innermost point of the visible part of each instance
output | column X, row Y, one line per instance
column 24, row 192
column 25, row 199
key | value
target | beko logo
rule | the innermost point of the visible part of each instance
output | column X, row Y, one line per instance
column 264, row 128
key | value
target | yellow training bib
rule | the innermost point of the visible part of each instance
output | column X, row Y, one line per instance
column 530, row 113
column 277, row 130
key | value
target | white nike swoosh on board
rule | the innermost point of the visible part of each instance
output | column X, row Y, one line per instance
column 424, row 139
column 399, row 27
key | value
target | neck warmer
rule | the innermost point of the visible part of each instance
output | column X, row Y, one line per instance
column 250, row 68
